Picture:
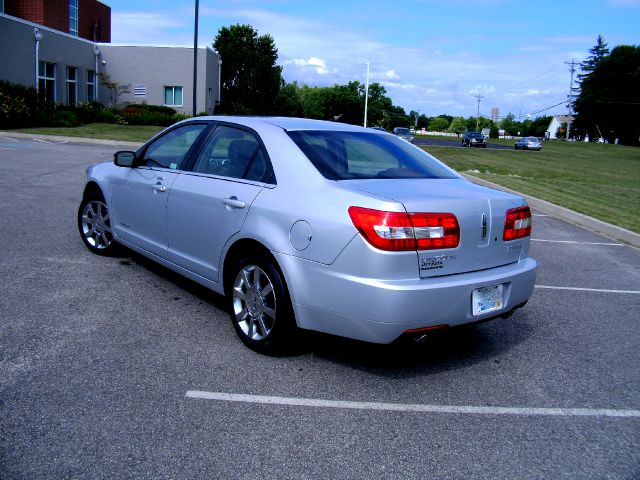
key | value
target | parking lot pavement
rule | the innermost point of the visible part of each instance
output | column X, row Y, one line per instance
column 100, row 359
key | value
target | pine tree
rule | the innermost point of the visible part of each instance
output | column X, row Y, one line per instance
column 598, row 52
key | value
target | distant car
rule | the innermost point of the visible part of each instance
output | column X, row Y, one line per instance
column 528, row 143
column 378, row 128
column 403, row 133
column 474, row 139
column 313, row 225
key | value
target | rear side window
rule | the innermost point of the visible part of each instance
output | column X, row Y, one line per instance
column 231, row 152
column 355, row 155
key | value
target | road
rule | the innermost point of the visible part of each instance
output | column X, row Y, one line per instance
column 118, row 368
column 454, row 142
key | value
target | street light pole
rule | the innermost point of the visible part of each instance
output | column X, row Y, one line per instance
column 195, row 60
column 366, row 96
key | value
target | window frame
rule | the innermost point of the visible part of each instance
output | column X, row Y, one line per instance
column 91, row 86
column 47, row 81
column 73, row 19
column 72, row 83
column 173, row 95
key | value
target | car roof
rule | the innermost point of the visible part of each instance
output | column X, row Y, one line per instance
column 286, row 123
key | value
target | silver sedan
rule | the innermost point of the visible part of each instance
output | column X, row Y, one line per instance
column 315, row 225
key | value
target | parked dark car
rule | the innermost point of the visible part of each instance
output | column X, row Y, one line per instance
column 474, row 139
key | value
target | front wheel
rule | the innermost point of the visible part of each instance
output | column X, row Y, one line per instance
column 261, row 310
column 94, row 224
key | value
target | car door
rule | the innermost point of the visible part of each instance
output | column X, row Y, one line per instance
column 139, row 199
column 209, row 204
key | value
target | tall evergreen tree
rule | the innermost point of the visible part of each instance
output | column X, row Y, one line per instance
column 599, row 51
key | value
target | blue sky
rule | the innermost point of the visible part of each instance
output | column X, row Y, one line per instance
column 431, row 55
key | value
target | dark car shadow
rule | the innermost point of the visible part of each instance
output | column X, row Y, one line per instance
column 444, row 350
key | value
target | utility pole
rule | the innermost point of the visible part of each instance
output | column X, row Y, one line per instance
column 195, row 60
column 572, row 66
column 478, row 97
column 366, row 96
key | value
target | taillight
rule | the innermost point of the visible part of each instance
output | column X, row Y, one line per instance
column 517, row 223
column 396, row 231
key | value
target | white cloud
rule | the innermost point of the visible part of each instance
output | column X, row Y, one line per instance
column 318, row 64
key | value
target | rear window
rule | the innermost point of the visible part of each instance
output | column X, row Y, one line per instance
column 362, row 155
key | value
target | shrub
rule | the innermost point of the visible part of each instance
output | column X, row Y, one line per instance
column 18, row 105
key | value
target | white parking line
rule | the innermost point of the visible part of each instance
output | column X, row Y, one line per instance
column 579, row 243
column 580, row 289
column 540, row 215
column 407, row 407
column 42, row 141
column 10, row 139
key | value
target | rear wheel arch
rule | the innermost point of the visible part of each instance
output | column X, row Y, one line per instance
column 241, row 249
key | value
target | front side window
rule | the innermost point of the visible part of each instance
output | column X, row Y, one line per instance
column 235, row 153
column 170, row 150
column 91, row 86
column 47, row 81
column 173, row 96
column 355, row 155
column 72, row 85
column 73, row 17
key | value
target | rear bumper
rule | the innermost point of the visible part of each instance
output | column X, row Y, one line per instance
column 379, row 311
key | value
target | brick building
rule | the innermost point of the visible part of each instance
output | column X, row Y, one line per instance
column 88, row 19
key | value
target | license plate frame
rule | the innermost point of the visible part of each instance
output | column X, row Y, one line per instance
column 487, row 299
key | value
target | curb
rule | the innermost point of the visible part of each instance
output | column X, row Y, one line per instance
column 612, row 231
column 59, row 138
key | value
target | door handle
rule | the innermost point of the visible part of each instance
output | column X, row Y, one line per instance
column 234, row 202
column 160, row 188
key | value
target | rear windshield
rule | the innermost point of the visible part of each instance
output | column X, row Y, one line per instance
column 474, row 134
column 362, row 155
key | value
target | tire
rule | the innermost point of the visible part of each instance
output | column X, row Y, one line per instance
column 94, row 225
column 260, row 307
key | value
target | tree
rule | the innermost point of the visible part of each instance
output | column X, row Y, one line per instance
column 609, row 101
column 510, row 125
column 439, row 124
column 289, row 101
column 115, row 89
column 598, row 52
column 458, row 125
column 251, row 80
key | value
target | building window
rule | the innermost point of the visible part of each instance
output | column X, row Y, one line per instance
column 47, row 81
column 91, row 86
column 73, row 17
column 72, row 85
column 173, row 96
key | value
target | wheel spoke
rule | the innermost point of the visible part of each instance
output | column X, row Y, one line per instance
column 241, row 315
column 239, row 294
column 245, row 278
column 270, row 312
column 250, row 326
column 256, row 277
column 266, row 290
column 262, row 326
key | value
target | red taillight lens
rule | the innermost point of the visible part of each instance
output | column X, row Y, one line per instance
column 395, row 231
column 517, row 223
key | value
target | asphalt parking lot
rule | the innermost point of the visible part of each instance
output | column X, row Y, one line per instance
column 117, row 368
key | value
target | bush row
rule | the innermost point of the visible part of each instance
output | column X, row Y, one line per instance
column 21, row 107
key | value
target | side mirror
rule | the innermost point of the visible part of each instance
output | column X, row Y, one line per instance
column 124, row 159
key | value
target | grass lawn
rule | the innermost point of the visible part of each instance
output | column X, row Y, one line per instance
column 599, row 180
column 107, row 131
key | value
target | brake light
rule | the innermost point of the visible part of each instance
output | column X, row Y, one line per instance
column 394, row 231
column 517, row 223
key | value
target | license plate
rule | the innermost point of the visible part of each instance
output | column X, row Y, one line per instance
column 487, row 299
